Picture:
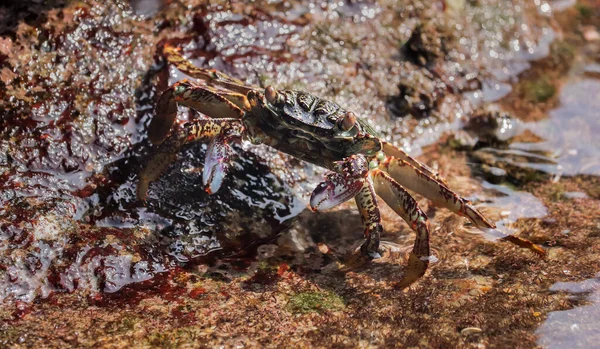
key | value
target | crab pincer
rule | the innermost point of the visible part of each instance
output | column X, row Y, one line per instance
column 218, row 160
column 342, row 185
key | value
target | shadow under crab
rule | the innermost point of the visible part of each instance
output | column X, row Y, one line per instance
column 312, row 129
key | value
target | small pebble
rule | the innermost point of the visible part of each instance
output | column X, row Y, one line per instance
column 591, row 34
column 575, row 195
column 470, row 330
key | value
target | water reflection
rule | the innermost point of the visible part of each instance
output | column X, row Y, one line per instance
column 565, row 143
column 570, row 131
column 578, row 327
column 506, row 206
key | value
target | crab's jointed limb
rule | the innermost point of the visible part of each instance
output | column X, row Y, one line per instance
column 208, row 76
column 399, row 200
column 366, row 201
column 387, row 177
column 226, row 129
column 339, row 187
column 435, row 189
column 414, row 179
column 352, row 181
column 200, row 98
column 397, row 153
column 222, row 133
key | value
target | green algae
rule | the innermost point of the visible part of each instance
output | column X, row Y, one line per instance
column 318, row 301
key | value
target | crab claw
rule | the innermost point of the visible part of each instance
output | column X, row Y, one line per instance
column 217, row 161
column 335, row 190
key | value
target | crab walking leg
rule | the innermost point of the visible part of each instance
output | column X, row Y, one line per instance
column 414, row 179
column 399, row 200
column 211, row 76
column 165, row 114
column 166, row 153
column 393, row 151
column 199, row 98
column 436, row 191
column 371, row 218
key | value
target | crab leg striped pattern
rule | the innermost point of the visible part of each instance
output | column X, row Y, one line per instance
column 339, row 187
column 366, row 201
column 436, row 191
column 200, row 98
column 211, row 77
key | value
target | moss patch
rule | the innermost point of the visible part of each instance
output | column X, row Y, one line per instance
column 585, row 11
column 320, row 301
column 539, row 90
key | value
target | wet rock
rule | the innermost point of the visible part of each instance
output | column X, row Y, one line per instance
column 427, row 44
column 492, row 128
column 419, row 94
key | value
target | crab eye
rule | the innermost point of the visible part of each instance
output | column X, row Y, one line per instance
column 271, row 95
column 347, row 121
column 179, row 89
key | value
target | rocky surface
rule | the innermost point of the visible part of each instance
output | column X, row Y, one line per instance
column 499, row 96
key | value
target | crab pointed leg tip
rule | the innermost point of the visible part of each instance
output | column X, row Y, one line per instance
column 213, row 178
column 374, row 255
column 539, row 251
column 142, row 190
column 214, row 186
column 319, row 196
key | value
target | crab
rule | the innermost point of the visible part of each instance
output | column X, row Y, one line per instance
column 361, row 165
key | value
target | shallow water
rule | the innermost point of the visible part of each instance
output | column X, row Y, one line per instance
column 574, row 328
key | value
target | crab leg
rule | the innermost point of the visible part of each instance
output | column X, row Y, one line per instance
column 436, row 191
column 418, row 181
column 221, row 131
column 399, row 200
column 351, row 181
column 366, row 201
column 393, row 151
column 210, row 76
column 200, row 98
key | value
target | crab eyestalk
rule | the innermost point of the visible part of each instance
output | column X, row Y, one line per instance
column 271, row 95
column 347, row 122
